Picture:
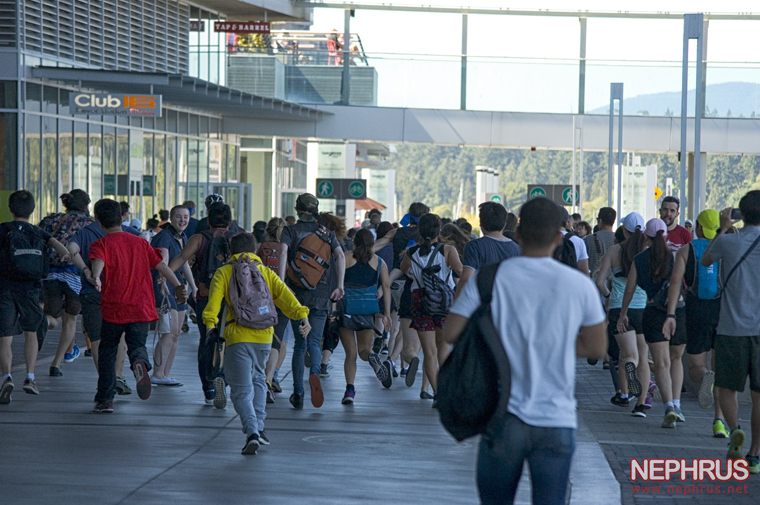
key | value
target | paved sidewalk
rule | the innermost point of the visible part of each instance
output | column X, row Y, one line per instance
column 623, row 437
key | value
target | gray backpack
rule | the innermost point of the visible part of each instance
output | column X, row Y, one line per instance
column 250, row 299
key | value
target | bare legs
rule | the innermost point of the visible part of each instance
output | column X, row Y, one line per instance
column 661, row 357
column 361, row 345
column 68, row 332
column 430, row 357
column 166, row 350
column 30, row 352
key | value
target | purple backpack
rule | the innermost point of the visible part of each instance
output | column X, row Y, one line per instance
column 250, row 299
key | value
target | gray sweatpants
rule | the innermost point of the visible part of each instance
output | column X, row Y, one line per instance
column 244, row 371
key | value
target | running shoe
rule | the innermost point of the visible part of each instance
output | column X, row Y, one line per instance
column 220, row 398
column 348, row 397
column 719, row 429
column 411, row 373
column 670, row 418
column 403, row 372
column 5, row 391
column 55, row 371
column 171, row 381
column 251, row 444
column 156, row 381
column 639, row 411
column 103, row 407
column 377, row 344
column 654, row 392
column 424, row 395
column 634, row 386
column 263, row 438
column 185, row 327
column 735, row 444
column 121, row 387
column 679, row 414
column 88, row 353
column 620, row 401
column 705, row 394
column 270, row 394
column 276, row 386
column 384, row 350
column 388, row 382
column 71, row 356
column 323, row 370
column 380, row 371
column 317, row 396
column 296, row 401
column 140, row 369
column 208, row 396
column 648, row 403
column 753, row 464
column 30, row 387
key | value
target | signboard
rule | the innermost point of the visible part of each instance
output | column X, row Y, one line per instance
column 148, row 185
column 495, row 197
column 108, row 104
column 561, row 194
column 197, row 25
column 242, row 26
column 638, row 191
column 342, row 189
column 215, row 162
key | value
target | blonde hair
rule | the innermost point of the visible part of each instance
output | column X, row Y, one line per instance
column 274, row 228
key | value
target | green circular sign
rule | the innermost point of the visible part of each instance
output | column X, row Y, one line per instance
column 356, row 189
column 569, row 196
column 496, row 198
column 325, row 189
column 537, row 193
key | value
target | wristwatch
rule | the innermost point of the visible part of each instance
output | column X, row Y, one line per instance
column 671, row 316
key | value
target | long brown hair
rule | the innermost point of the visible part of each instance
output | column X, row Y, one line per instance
column 363, row 243
column 633, row 245
column 659, row 258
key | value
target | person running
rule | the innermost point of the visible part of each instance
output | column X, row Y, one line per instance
column 205, row 224
column 678, row 236
column 429, row 256
column 170, row 242
column 23, row 249
column 395, row 339
column 492, row 247
column 702, row 312
column 737, row 344
column 127, row 304
column 60, row 290
column 270, row 253
column 319, row 299
column 247, row 349
column 206, row 261
column 92, row 319
column 364, row 271
column 540, row 419
column 615, row 266
column 651, row 271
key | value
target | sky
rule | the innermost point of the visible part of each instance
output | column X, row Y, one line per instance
column 529, row 63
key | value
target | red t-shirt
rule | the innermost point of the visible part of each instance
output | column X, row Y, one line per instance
column 678, row 237
column 127, row 282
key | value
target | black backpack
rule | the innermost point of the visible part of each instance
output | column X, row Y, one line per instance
column 216, row 253
column 474, row 382
column 26, row 257
column 565, row 252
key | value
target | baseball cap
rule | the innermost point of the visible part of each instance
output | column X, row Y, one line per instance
column 214, row 198
column 655, row 225
column 710, row 221
column 633, row 221
column 307, row 202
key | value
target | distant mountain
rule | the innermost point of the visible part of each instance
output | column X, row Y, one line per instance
column 733, row 99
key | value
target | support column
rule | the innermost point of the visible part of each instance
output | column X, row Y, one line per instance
column 616, row 93
column 345, row 90
column 463, row 86
column 687, row 211
column 582, row 70
column 693, row 28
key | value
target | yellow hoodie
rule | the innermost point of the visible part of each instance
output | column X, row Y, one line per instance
column 281, row 294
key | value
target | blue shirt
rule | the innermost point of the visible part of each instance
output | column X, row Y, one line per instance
column 84, row 238
column 190, row 230
column 488, row 250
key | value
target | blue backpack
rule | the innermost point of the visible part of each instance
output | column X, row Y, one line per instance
column 703, row 281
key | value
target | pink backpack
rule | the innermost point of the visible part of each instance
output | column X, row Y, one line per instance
column 250, row 299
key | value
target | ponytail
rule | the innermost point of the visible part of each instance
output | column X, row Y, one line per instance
column 660, row 258
column 633, row 245
column 430, row 228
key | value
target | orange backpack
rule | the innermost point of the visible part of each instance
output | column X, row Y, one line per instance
column 311, row 259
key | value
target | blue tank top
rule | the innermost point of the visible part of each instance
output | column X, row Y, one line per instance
column 639, row 300
column 705, row 285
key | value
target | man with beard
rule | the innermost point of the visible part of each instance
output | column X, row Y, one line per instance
column 678, row 236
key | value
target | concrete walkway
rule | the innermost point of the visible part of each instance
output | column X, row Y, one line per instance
column 172, row 448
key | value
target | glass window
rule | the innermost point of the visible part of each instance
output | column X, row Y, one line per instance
column 148, row 123
column 80, row 157
column 214, row 132
column 66, row 153
column 159, row 153
column 63, row 104
column 174, row 149
column 254, row 143
column 182, row 122
column 192, row 124
column 233, row 174
column 33, row 97
column 171, row 120
column 122, row 120
column 160, row 121
column 50, row 102
column 33, row 163
column 96, row 162
column 203, row 155
column 109, row 162
column 135, row 121
column 203, row 125
column 8, row 158
column 8, row 95
column 122, row 161
column 49, row 166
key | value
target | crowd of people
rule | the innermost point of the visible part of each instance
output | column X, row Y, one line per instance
column 635, row 295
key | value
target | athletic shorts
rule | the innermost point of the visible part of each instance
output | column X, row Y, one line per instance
column 19, row 311
column 421, row 320
column 635, row 321
column 282, row 330
column 735, row 359
column 653, row 321
column 57, row 296
column 701, row 323
column 405, row 302
column 397, row 288
column 92, row 319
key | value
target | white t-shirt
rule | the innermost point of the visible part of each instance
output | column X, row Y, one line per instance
column 581, row 253
column 539, row 306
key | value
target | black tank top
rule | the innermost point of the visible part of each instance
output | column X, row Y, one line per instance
column 361, row 275
column 401, row 240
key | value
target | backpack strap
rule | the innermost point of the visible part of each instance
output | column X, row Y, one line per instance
column 754, row 244
column 435, row 251
column 597, row 245
column 485, row 280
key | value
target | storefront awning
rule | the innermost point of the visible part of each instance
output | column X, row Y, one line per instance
column 368, row 204
column 182, row 91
